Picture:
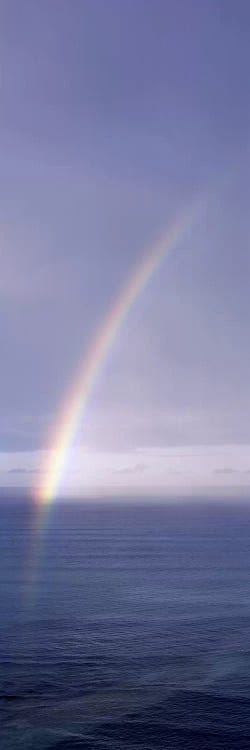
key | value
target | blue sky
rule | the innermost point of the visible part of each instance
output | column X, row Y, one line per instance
column 114, row 115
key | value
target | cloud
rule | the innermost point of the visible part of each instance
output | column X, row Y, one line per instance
column 23, row 471
column 175, row 471
column 136, row 469
column 226, row 470
column 230, row 470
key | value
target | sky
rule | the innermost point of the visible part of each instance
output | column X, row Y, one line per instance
column 114, row 116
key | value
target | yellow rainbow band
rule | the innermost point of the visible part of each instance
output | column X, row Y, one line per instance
column 72, row 410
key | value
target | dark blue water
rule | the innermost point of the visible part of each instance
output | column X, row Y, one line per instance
column 131, row 629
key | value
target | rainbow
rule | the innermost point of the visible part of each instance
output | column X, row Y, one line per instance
column 73, row 408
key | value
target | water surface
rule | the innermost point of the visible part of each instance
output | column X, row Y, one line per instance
column 125, row 627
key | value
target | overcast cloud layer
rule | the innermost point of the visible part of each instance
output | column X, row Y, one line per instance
column 113, row 116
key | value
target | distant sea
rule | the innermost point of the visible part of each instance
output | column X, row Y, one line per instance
column 125, row 627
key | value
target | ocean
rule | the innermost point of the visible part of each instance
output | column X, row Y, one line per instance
column 125, row 627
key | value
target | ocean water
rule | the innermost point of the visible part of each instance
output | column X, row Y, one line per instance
column 125, row 627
